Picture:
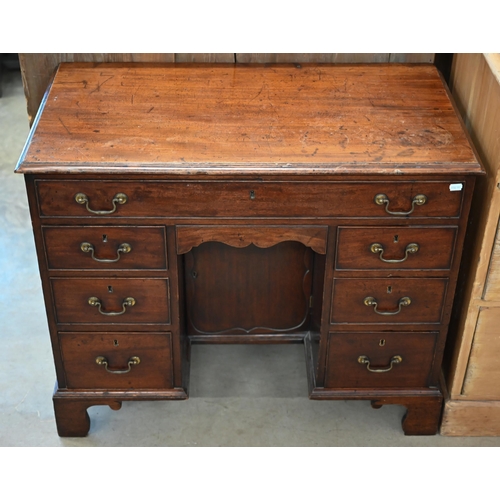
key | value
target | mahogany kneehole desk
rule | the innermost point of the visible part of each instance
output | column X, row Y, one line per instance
column 317, row 204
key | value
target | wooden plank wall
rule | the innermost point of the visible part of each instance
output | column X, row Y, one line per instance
column 477, row 95
column 37, row 69
column 473, row 374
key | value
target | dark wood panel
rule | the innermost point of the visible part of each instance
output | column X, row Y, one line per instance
column 422, row 247
column 416, row 351
column 426, row 300
column 205, row 58
column 71, row 297
column 320, row 58
column 248, row 199
column 154, row 370
column 412, row 58
column 188, row 237
column 146, row 247
column 248, row 290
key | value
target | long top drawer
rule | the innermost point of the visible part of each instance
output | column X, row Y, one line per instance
column 395, row 199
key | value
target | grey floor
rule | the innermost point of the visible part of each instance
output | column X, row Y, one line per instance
column 265, row 404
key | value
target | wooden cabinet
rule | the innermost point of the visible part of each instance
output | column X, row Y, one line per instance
column 176, row 204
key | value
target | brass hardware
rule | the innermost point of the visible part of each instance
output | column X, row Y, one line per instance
column 252, row 195
column 83, row 199
column 365, row 360
column 95, row 302
column 419, row 199
column 88, row 247
column 403, row 302
column 378, row 248
column 102, row 361
column 381, row 342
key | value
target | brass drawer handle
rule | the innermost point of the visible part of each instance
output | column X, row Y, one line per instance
column 403, row 302
column 134, row 360
column 83, row 199
column 129, row 301
column 88, row 247
column 378, row 248
column 419, row 199
column 365, row 360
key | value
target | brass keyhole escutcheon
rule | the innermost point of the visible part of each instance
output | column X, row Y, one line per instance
column 381, row 342
column 252, row 194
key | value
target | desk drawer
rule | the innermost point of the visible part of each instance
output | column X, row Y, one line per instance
column 111, row 300
column 376, row 248
column 386, row 359
column 105, row 247
column 126, row 361
column 246, row 199
column 388, row 300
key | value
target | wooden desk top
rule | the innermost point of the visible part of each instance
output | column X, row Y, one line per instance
column 254, row 119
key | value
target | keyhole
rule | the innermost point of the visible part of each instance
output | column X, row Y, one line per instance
column 381, row 342
column 104, row 238
column 396, row 238
column 115, row 343
column 252, row 195
column 389, row 289
column 110, row 289
column 194, row 274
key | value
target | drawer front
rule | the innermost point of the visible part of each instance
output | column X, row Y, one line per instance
column 103, row 300
column 104, row 247
column 386, row 359
column 388, row 300
column 375, row 248
column 246, row 199
column 117, row 360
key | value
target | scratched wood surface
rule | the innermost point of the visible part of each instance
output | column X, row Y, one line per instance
column 38, row 69
column 197, row 116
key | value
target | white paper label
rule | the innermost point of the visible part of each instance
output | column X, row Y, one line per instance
column 456, row 187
